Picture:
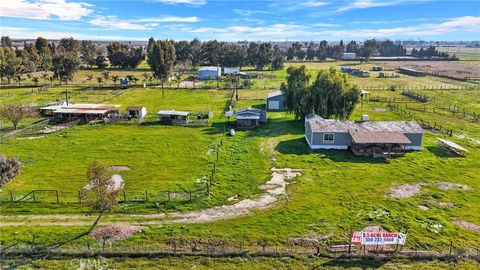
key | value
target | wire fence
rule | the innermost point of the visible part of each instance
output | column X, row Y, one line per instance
column 240, row 247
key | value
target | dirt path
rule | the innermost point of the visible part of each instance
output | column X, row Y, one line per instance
column 274, row 189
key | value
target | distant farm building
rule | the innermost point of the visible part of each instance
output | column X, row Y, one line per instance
column 349, row 56
column 136, row 112
column 231, row 70
column 377, row 68
column 209, row 73
column 172, row 117
column 276, row 101
column 84, row 112
column 250, row 118
column 411, row 72
column 364, row 138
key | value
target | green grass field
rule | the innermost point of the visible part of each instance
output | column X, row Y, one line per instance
column 336, row 189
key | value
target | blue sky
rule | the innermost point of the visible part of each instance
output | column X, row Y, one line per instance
column 233, row 20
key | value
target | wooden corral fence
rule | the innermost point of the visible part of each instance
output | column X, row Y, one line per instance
column 425, row 124
column 417, row 96
column 418, row 87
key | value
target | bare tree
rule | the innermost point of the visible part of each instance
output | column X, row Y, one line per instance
column 14, row 113
column 100, row 195
column 8, row 169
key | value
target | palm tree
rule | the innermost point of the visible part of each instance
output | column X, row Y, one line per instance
column 106, row 75
column 146, row 76
column 50, row 78
column 19, row 78
column 135, row 80
column 35, row 80
column 115, row 79
column 89, row 77
column 99, row 80
column 45, row 77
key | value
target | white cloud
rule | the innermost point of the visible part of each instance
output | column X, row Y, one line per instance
column 315, row 31
column 44, row 9
column 113, row 23
column 325, row 24
column 169, row 19
column 362, row 4
column 312, row 4
column 28, row 33
column 449, row 27
column 185, row 2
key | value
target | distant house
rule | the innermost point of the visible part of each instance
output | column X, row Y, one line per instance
column 209, row 73
column 231, row 70
column 377, row 68
column 136, row 111
column 276, row 101
column 345, row 69
column 349, row 56
column 250, row 117
column 365, row 138
column 85, row 112
column 172, row 117
column 411, row 72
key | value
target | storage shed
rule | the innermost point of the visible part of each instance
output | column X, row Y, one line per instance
column 136, row 112
column 209, row 73
column 231, row 70
column 172, row 117
column 276, row 101
column 349, row 56
column 411, row 72
column 250, row 118
column 85, row 112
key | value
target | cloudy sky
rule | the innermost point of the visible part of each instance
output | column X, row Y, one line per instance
column 233, row 20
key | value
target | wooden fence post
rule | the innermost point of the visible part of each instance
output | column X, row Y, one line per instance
column 124, row 196
column 146, row 196
column 56, row 192
column 34, row 198
column 350, row 241
column 11, row 195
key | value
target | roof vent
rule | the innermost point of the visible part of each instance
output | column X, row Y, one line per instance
column 364, row 117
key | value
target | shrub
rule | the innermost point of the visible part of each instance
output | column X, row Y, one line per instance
column 9, row 168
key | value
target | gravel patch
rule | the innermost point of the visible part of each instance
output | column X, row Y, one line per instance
column 450, row 186
column 118, row 168
column 423, row 207
column 466, row 225
column 405, row 191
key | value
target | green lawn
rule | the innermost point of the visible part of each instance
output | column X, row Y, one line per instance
column 336, row 190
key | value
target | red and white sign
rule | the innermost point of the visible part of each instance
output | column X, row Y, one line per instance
column 378, row 238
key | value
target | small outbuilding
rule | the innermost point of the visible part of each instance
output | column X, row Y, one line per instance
column 276, row 101
column 231, row 70
column 250, row 118
column 209, row 73
column 136, row 112
column 349, row 56
column 86, row 112
column 411, row 72
column 172, row 117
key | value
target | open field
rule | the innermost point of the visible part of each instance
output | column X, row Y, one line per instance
column 335, row 191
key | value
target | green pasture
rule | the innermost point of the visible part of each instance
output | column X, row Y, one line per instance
column 336, row 190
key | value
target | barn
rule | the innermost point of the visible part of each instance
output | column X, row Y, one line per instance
column 209, row 73
column 276, row 101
